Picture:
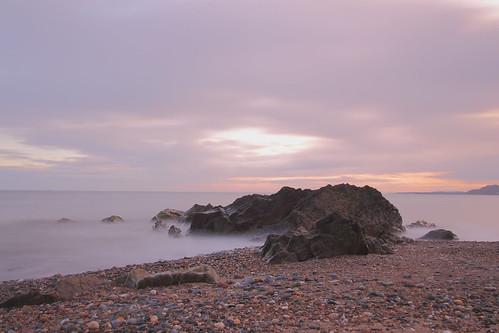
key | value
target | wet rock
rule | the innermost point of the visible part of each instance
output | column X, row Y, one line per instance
column 112, row 219
column 169, row 214
column 174, row 231
column 158, row 224
column 139, row 278
column 440, row 234
column 30, row 298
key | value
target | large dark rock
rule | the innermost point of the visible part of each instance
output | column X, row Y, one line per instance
column 333, row 220
column 247, row 213
column 334, row 235
column 440, row 234
column 294, row 208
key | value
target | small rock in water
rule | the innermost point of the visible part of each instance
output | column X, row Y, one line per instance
column 174, row 231
column 112, row 219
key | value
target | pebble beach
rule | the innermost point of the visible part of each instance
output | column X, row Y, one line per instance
column 423, row 286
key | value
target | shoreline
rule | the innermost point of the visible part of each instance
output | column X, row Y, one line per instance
column 425, row 286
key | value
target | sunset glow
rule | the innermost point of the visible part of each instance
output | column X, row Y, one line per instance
column 259, row 143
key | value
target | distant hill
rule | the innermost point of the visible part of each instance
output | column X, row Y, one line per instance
column 486, row 190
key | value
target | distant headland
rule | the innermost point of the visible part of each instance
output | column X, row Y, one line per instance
column 486, row 190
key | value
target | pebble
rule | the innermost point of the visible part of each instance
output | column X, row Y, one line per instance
column 219, row 325
column 153, row 319
column 93, row 325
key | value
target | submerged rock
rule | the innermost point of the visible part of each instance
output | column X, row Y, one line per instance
column 113, row 219
column 140, row 278
column 174, row 231
column 64, row 220
column 440, row 234
column 421, row 224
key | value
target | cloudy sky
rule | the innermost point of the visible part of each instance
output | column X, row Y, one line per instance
column 248, row 95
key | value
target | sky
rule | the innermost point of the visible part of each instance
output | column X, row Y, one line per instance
column 248, row 96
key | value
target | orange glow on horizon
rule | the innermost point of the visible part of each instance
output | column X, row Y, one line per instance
column 385, row 182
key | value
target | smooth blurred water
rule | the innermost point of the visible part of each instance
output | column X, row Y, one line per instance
column 471, row 217
column 33, row 244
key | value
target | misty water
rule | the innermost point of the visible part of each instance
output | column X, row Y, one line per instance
column 33, row 244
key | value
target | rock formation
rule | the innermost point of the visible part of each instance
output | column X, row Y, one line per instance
column 333, row 220
column 295, row 208
column 440, row 234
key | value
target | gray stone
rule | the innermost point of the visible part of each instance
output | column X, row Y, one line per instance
column 139, row 278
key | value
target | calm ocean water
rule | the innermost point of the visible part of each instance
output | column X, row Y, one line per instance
column 32, row 244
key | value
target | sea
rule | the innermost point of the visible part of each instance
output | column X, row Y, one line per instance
column 33, row 244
